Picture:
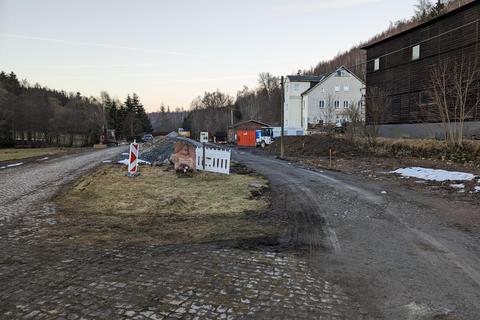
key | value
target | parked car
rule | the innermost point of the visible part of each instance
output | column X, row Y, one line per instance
column 147, row 137
column 341, row 127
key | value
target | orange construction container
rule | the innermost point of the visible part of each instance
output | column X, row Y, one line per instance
column 247, row 138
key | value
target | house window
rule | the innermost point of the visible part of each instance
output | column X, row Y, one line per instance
column 416, row 52
column 376, row 64
column 336, row 104
column 321, row 104
column 345, row 104
column 296, row 87
column 346, row 88
column 337, row 89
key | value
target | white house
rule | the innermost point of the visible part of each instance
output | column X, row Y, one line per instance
column 327, row 101
column 294, row 87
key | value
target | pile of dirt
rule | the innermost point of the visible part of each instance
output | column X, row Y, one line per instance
column 315, row 145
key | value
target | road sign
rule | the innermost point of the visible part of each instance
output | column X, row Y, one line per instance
column 133, row 159
column 203, row 137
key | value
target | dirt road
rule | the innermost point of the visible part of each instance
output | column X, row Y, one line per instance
column 399, row 254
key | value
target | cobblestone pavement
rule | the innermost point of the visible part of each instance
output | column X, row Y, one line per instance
column 194, row 282
column 44, row 279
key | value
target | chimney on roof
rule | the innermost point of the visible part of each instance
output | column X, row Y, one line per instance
column 299, row 72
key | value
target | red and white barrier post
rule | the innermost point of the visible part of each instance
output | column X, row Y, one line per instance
column 133, row 159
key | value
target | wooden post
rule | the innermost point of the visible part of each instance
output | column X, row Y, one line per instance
column 330, row 151
column 282, row 145
column 203, row 160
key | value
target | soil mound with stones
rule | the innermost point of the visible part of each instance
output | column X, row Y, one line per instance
column 314, row 145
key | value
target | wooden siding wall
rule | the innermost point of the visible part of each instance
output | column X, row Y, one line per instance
column 407, row 82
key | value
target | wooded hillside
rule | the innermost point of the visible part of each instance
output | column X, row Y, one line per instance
column 36, row 115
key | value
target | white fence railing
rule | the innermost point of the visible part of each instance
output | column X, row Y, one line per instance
column 216, row 160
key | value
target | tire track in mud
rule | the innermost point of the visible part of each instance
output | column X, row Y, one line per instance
column 448, row 255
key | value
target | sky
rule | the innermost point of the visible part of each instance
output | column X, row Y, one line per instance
column 173, row 51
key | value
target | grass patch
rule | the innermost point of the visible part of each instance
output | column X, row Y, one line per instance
column 159, row 207
column 23, row 153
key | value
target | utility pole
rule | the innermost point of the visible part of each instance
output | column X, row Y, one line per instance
column 282, row 146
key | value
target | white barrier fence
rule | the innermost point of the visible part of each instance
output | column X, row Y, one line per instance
column 216, row 160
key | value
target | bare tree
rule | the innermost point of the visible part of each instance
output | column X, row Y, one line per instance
column 329, row 113
column 268, row 82
column 455, row 95
column 377, row 101
column 354, row 115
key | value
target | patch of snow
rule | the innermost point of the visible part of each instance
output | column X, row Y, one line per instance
column 383, row 192
column 107, row 161
column 460, row 186
column 477, row 189
column 3, row 167
column 43, row 159
column 125, row 154
column 140, row 161
column 14, row 165
column 434, row 174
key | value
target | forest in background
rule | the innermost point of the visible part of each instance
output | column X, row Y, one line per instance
column 36, row 115
column 215, row 110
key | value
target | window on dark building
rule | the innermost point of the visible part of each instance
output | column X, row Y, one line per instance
column 416, row 52
column 376, row 64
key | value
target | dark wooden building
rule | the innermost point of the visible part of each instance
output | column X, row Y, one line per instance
column 401, row 67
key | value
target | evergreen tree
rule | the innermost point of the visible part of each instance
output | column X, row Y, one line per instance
column 438, row 8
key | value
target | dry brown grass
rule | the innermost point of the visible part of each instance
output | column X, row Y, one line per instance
column 425, row 148
column 17, row 154
column 159, row 207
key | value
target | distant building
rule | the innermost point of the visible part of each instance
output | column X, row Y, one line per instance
column 293, row 112
column 401, row 66
column 328, row 100
column 249, row 126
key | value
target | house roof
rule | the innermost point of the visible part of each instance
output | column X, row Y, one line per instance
column 422, row 25
column 300, row 78
column 247, row 121
column 330, row 75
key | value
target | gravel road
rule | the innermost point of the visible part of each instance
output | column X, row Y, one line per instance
column 398, row 253
column 25, row 187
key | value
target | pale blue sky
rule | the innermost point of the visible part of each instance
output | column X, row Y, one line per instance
column 172, row 51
